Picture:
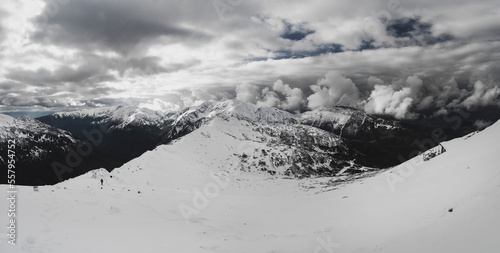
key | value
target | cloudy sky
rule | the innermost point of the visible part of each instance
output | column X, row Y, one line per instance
column 399, row 58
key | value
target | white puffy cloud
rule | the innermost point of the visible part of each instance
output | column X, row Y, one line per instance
column 482, row 96
column 334, row 89
column 448, row 94
column 294, row 96
column 388, row 99
column 247, row 92
column 270, row 98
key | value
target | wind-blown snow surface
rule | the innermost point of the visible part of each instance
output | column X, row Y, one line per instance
column 261, row 213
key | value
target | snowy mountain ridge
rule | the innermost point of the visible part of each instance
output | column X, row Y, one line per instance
column 238, row 109
column 263, row 140
column 121, row 115
column 345, row 120
column 320, row 142
column 339, row 115
column 379, row 138
column 193, row 117
column 24, row 127
column 6, row 120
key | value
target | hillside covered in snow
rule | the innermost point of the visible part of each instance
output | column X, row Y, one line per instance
column 322, row 142
column 188, row 196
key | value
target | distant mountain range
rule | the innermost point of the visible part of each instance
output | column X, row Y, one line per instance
column 127, row 131
column 323, row 142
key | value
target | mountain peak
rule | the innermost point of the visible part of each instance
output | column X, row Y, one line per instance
column 6, row 120
column 22, row 122
column 238, row 109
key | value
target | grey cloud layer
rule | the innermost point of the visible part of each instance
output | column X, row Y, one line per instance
column 386, row 57
column 121, row 26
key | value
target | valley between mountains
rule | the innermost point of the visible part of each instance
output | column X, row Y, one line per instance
column 314, row 143
column 230, row 177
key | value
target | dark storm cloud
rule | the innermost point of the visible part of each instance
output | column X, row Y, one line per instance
column 150, row 65
column 48, row 88
column 121, row 26
column 94, row 70
column 86, row 28
column 140, row 65
column 62, row 75
column 6, row 87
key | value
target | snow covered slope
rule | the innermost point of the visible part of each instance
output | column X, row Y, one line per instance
column 369, row 141
column 380, row 141
column 171, row 200
column 281, row 150
column 192, row 118
column 264, row 139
